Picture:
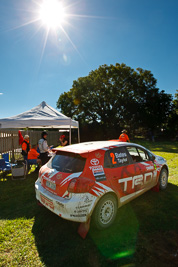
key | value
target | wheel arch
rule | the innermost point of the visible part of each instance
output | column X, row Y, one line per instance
column 95, row 220
column 165, row 167
column 107, row 193
column 163, row 178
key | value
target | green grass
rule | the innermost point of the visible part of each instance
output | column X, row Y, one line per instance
column 169, row 151
column 143, row 234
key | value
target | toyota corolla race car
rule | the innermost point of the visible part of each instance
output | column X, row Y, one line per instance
column 96, row 178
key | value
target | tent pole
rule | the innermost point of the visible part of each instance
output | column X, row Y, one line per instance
column 13, row 156
column 78, row 134
column 70, row 133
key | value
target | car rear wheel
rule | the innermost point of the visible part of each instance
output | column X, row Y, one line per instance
column 105, row 212
column 163, row 179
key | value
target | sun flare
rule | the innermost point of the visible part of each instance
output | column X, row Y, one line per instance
column 52, row 13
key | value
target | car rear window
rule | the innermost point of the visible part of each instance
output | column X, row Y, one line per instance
column 68, row 162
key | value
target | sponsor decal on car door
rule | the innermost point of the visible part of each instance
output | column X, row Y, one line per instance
column 129, row 175
column 148, row 173
column 119, row 171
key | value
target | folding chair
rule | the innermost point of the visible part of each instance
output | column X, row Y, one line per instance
column 4, row 166
column 19, row 170
column 5, row 156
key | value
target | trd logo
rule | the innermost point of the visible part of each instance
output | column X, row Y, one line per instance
column 138, row 179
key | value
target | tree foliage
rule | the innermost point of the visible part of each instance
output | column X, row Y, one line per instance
column 117, row 96
column 172, row 127
column 175, row 102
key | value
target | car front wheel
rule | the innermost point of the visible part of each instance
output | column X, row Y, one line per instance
column 105, row 212
column 163, row 179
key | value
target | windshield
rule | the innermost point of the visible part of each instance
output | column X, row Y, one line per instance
column 69, row 163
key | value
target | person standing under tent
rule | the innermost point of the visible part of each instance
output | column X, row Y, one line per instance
column 25, row 146
column 44, row 148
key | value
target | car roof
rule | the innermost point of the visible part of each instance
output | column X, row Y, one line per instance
column 92, row 146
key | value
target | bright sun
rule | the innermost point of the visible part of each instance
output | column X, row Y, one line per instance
column 52, row 13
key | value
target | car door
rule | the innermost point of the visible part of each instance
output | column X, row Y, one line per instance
column 120, row 170
column 142, row 161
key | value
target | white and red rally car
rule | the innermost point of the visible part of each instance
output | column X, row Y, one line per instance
column 96, row 178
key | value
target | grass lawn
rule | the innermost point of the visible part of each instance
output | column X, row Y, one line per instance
column 145, row 232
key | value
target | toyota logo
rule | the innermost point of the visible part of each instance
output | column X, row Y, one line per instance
column 94, row 162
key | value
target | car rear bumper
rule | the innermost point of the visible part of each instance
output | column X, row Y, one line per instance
column 78, row 208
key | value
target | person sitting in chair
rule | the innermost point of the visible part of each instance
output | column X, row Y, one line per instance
column 33, row 156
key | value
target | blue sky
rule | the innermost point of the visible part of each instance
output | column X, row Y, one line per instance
column 34, row 68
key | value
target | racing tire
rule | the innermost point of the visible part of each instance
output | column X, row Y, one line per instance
column 105, row 212
column 163, row 179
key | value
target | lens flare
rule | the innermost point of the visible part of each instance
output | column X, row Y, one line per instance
column 54, row 19
column 52, row 13
column 124, row 254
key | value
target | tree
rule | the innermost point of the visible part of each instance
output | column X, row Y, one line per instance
column 113, row 97
column 172, row 126
column 175, row 102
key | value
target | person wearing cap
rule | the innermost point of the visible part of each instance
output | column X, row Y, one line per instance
column 44, row 148
column 124, row 137
column 63, row 141
column 25, row 146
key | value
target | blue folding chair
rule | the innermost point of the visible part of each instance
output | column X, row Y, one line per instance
column 5, row 156
column 6, row 167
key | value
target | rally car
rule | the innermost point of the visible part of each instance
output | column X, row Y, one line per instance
column 94, row 179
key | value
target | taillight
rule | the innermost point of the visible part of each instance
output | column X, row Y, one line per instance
column 80, row 185
column 40, row 174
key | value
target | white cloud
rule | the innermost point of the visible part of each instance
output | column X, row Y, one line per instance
column 1, row 93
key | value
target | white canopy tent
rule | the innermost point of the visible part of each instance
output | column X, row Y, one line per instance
column 41, row 116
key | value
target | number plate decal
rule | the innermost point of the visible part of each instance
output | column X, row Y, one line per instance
column 51, row 185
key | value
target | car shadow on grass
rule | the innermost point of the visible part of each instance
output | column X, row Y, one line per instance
column 59, row 244
column 129, row 241
column 143, row 234
column 17, row 197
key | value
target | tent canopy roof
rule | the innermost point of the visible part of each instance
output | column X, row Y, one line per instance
column 41, row 116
